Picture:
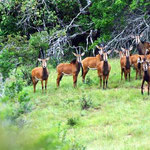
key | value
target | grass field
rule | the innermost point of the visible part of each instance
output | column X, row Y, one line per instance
column 117, row 118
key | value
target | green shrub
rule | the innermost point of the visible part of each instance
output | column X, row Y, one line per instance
column 23, row 97
column 13, row 110
column 50, row 141
column 85, row 102
column 89, row 81
column 77, row 146
column 24, row 104
column 26, row 74
column 73, row 121
column 14, row 88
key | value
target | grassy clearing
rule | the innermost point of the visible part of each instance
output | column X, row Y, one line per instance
column 117, row 118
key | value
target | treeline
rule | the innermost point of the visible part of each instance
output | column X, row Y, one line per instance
column 59, row 27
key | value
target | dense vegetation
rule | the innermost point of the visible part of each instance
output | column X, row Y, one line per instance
column 58, row 26
column 66, row 118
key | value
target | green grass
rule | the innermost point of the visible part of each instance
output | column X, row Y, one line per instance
column 118, row 118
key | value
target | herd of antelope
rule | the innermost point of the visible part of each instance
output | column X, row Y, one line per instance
column 141, row 63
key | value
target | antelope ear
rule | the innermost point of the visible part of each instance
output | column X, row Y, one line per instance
column 109, row 52
column 116, row 51
column 47, row 59
column 141, row 35
column 120, row 54
column 39, row 59
column 105, row 47
column 132, row 36
column 83, row 54
column 123, row 49
column 99, row 47
column 74, row 54
column 131, row 47
column 146, row 51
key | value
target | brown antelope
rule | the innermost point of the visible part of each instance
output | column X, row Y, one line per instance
column 148, row 57
column 103, row 70
column 70, row 69
column 125, row 63
column 146, row 74
column 91, row 62
column 136, row 62
column 142, row 47
column 40, row 74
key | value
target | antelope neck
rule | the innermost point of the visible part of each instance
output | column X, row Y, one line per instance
column 146, row 76
column 105, row 68
column 45, row 74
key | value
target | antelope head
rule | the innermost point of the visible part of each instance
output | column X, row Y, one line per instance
column 127, row 51
column 79, row 59
column 105, row 55
column 145, row 64
column 44, row 62
column 100, row 49
column 137, row 38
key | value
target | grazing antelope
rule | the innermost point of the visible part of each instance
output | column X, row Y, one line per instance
column 142, row 47
column 70, row 69
column 146, row 74
column 103, row 70
column 125, row 63
column 91, row 62
column 40, row 74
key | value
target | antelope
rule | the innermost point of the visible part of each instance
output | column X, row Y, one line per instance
column 125, row 63
column 70, row 69
column 142, row 47
column 136, row 62
column 148, row 57
column 40, row 74
column 103, row 70
column 91, row 62
column 146, row 75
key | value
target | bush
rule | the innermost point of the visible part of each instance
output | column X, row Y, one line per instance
column 14, row 88
column 13, row 141
column 50, row 142
column 24, row 101
column 23, row 97
column 72, row 121
column 77, row 146
column 26, row 74
column 89, row 81
column 86, row 102
column 13, row 110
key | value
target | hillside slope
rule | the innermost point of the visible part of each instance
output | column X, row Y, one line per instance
column 89, row 117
